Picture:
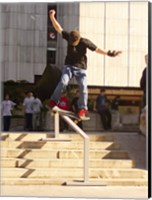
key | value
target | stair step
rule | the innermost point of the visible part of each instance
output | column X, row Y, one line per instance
column 72, row 173
column 105, row 154
column 37, row 153
column 99, row 137
column 65, row 163
column 27, row 159
column 58, row 145
column 38, row 136
column 56, row 181
column 23, row 136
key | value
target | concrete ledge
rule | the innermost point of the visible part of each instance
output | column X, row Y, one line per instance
column 120, row 122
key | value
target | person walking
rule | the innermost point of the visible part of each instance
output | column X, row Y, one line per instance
column 7, row 107
column 75, row 64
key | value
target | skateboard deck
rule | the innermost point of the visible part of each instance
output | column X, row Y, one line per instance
column 69, row 114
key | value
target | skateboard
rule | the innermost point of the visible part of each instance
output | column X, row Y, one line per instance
column 70, row 114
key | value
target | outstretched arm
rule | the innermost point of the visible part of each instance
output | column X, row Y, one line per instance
column 108, row 53
column 55, row 23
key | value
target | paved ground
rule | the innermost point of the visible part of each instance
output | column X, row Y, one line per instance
column 73, row 192
column 132, row 142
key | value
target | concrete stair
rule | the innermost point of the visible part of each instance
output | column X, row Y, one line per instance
column 58, row 145
column 71, row 173
column 27, row 159
column 64, row 163
column 61, row 154
column 34, row 136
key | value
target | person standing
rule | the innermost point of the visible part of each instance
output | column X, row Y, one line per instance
column 75, row 65
column 27, row 103
column 143, row 82
column 115, row 103
column 75, row 107
column 116, row 117
column 103, row 110
column 64, row 104
column 36, row 107
column 7, row 107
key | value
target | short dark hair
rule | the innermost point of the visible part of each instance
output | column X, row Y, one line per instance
column 102, row 90
column 74, row 37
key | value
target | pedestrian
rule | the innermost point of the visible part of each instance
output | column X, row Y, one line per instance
column 64, row 104
column 75, row 64
column 27, row 103
column 75, row 106
column 36, row 107
column 115, row 103
column 103, row 110
column 7, row 107
column 116, row 117
column 143, row 81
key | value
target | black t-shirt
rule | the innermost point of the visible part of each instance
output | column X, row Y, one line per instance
column 76, row 55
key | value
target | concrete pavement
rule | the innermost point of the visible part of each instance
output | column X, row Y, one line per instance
column 75, row 191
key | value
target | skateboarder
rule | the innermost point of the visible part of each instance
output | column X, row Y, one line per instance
column 75, row 64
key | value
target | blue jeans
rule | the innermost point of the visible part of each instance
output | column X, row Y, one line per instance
column 68, row 73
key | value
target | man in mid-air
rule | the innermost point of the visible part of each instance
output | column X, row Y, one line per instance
column 75, row 65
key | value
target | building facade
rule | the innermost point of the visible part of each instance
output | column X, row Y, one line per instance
column 28, row 41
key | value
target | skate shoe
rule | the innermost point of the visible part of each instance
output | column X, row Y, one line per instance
column 52, row 104
column 82, row 114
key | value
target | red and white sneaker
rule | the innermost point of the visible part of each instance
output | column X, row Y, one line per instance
column 52, row 104
column 82, row 114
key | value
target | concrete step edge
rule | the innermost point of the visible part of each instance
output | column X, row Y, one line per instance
column 13, row 169
column 29, row 135
column 23, row 162
column 110, row 182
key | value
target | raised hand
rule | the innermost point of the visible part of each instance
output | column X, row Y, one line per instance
column 52, row 13
column 113, row 53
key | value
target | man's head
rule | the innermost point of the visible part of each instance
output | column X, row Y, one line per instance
column 102, row 91
column 74, row 38
column 7, row 97
column 29, row 94
column 77, row 93
column 64, row 93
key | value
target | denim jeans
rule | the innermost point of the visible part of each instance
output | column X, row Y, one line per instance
column 68, row 73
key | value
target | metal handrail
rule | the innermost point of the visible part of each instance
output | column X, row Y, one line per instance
column 82, row 134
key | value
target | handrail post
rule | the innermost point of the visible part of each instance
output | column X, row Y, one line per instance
column 86, row 149
column 86, row 146
column 56, row 124
column 86, row 159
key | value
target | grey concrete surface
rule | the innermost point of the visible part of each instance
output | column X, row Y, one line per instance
column 75, row 192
